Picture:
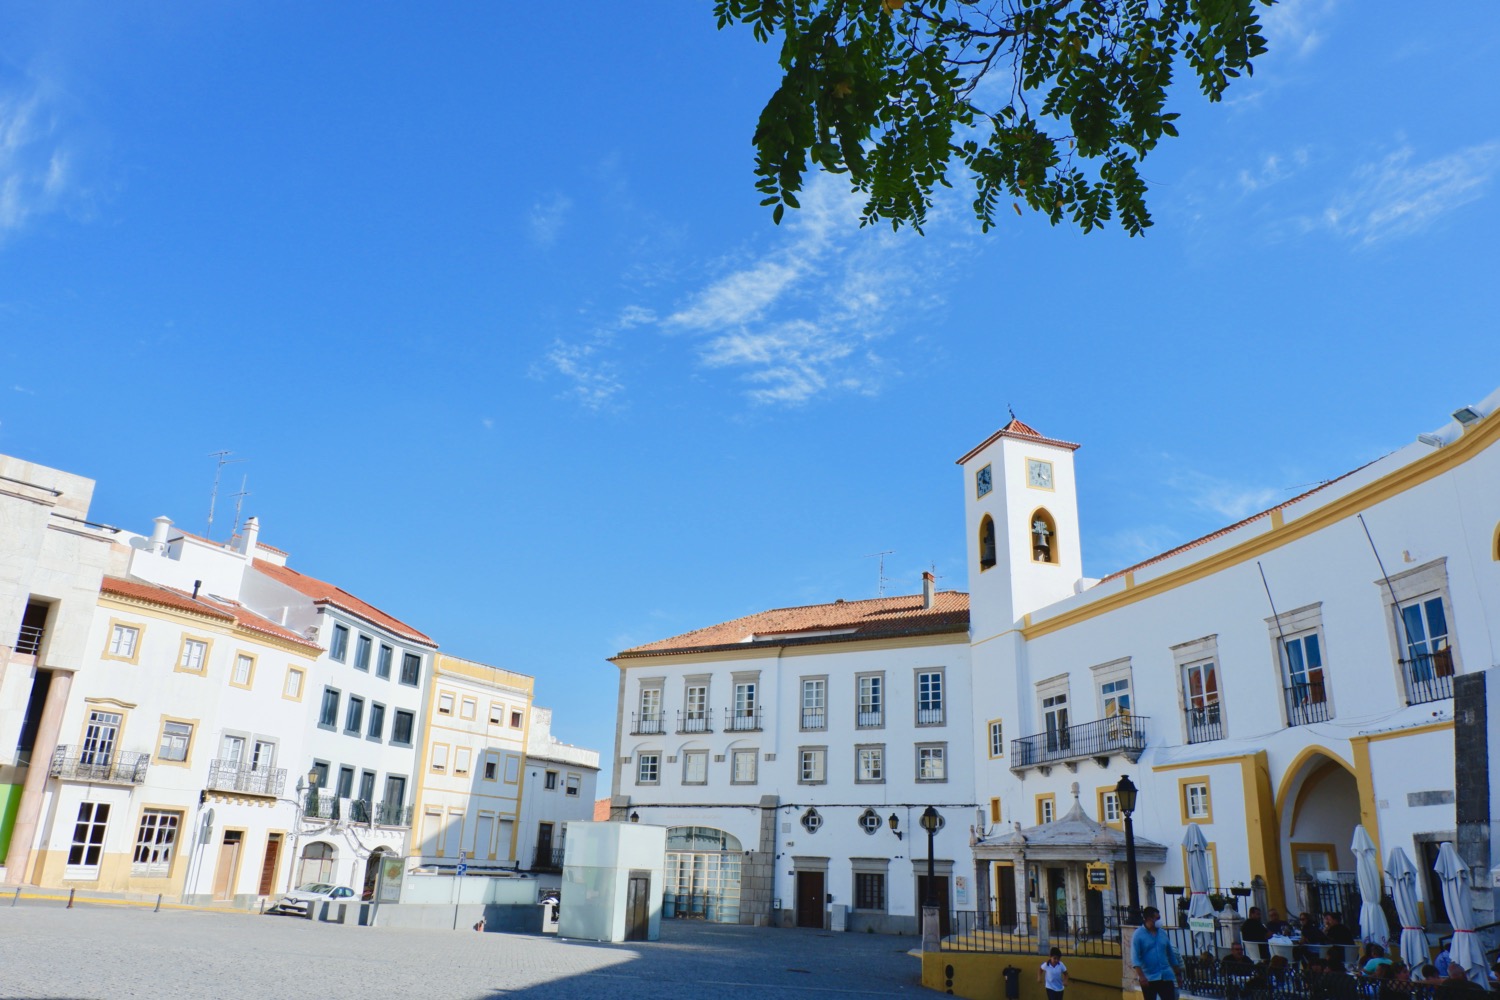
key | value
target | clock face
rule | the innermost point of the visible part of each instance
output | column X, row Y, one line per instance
column 1039, row 474
column 983, row 481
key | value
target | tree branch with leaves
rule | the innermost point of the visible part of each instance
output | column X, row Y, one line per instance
column 1048, row 103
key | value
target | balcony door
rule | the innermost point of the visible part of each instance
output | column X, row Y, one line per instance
column 99, row 738
column 1055, row 719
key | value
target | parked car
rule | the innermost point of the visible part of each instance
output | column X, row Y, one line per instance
column 300, row 898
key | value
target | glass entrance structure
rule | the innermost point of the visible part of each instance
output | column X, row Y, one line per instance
column 703, row 875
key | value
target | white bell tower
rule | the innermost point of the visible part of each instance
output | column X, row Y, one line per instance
column 1021, row 513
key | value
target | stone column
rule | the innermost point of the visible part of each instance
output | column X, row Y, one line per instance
column 1043, row 928
column 32, row 793
column 982, row 892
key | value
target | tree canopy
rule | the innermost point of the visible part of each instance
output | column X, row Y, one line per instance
column 1051, row 104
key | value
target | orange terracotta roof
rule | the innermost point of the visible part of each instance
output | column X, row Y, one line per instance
column 181, row 600
column 1016, row 429
column 1225, row 530
column 881, row 618
column 601, row 810
column 326, row 593
column 167, row 597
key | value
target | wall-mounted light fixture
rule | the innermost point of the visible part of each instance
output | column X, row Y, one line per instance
column 1467, row 415
column 893, row 822
column 635, row 817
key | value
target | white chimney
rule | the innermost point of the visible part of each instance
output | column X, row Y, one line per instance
column 928, row 583
column 250, row 536
column 159, row 535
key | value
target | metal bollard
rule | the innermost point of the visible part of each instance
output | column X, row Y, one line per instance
column 17, row 897
column 71, row 893
column 158, row 903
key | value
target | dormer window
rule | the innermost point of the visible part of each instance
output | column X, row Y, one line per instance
column 1043, row 537
column 986, row 543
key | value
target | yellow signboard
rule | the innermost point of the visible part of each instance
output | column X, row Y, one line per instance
column 1098, row 876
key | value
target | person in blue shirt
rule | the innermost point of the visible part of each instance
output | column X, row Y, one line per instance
column 1155, row 961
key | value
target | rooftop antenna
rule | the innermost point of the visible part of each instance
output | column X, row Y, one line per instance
column 239, row 502
column 1012, row 410
column 213, row 497
column 880, row 580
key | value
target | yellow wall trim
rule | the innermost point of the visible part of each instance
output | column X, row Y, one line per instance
column 1396, row 734
column 1362, row 498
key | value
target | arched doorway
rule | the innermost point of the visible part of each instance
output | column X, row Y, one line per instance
column 372, row 872
column 703, row 875
column 318, row 860
column 1318, row 808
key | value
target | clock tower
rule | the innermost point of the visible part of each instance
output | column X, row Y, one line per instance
column 1021, row 513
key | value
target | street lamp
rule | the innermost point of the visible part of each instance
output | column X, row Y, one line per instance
column 930, row 822
column 893, row 823
column 1125, row 794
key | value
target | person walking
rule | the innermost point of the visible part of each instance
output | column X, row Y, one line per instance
column 1053, row 975
column 1155, row 961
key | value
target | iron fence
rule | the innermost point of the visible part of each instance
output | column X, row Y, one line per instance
column 29, row 639
column 645, row 724
column 970, row 930
column 1212, row 980
column 1122, row 734
column 547, row 859
column 1204, row 724
column 814, row 718
column 1306, row 703
column 741, row 720
column 231, row 776
column 77, row 764
column 870, row 718
column 392, row 814
column 1428, row 676
column 693, row 722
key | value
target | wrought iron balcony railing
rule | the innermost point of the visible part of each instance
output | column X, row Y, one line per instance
column 693, row 722
column 547, row 859
column 930, row 716
column 742, row 720
column 77, row 764
column 1122, row 734
column 1204, row 724
column 392, row 814
column 1428, row 676
column 646, row 723
column 1306, row 703
column 29, row 639
column 814, row 718
column 234, row 776
column 870, row 718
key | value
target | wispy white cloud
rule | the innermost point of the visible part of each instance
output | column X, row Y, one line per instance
column 1397, row 196
column 547, row 218
column 1272, row 169
column 589, row 365
column 488, row 423
column 22, row 388
column 34, row 167
column 1227, row 500
column 1297, row 27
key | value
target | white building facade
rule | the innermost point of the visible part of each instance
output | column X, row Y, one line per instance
column 1277, row 682
column 790, row 755
column 560, row 783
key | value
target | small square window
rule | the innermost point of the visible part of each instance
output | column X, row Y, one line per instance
column 648, row 769
column 445, row 704
column 293, row 687
column 744, row 766
column 354, row 718
column 695, row 767
column 491, row 768
column 515, row 719
column 439, row 757
column 328, row 715
column 932, row 762
column 194, row 652
column 122, row 641
column 812, row 764
column 244, row 667
column 362, row 647
column 497, row 714
column 401, row 727
column 468, row 709
column 549, row 780
column 411, row 669
column 175, row 737
column 338, row 649
column 1195, row 800
column 574, row 784
column 870, row 764
column 461, row 758
column 383, row 662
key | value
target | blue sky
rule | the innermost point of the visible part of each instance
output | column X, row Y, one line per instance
column 484, row 298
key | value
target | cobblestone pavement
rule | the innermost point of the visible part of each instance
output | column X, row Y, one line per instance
column 105, row 953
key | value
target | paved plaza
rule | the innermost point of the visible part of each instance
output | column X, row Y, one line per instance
column 116, row 952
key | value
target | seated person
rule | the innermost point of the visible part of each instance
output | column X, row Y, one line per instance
column 1427, row 974
column 1237, row 963
column 1253, row 929
column 1276, row 926
column 1456, row 982
column 1274, row 974
column 1375, row 958
column 1443, row 958
column 1337, row 935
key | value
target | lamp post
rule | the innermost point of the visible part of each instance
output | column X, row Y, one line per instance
column 930, row 822
column 1125, row 793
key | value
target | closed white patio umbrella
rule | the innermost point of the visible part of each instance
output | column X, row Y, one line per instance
column 1373, row 928
column 1403, row 876
column 1465, row 950
column 1197, row 854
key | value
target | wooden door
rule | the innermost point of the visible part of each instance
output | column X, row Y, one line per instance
column 810, row 901
column 268, row 866
column 229, row 863
column 1007, row 897
column 638, row 907
column 940, row 900
column 1093, row 903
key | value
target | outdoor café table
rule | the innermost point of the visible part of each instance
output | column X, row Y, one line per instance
column 1282, row 946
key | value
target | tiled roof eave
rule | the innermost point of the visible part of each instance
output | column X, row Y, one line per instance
column 413, row 637
column 947, row 628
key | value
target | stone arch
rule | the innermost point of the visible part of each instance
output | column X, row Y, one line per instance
column 987, row 544
column 1317, row 809
column 1041, row 529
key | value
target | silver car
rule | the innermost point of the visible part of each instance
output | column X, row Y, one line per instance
column 304, row 896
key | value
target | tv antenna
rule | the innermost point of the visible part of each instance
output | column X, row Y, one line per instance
column 213, row 497
column 880, row 580
column 239, row 502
